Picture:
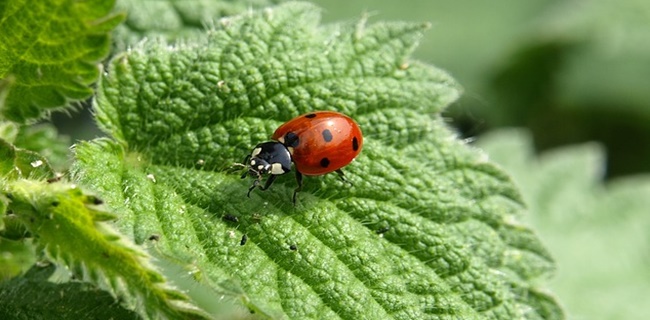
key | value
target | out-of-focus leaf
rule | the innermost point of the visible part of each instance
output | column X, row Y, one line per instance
column 16, row 256
column 32, row 296
column 49, row 53
column 71, row 228
column 598, row 233
column 174, row 19
column 45, row 140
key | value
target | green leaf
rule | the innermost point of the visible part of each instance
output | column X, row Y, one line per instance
column 45, row 140
column 4, row 203
column 174, row 19
column 69, row 226
column 598, row 233
column 34, row 297
column 583, row 57
column 19, row 163
column 577, row 71
column 5, row 84
column 428, row 229
column 16, row 256
column 607, row 42
column 50, row 50
column 9, row 131
column 42, row 139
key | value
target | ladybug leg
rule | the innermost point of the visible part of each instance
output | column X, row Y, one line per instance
column 269, row 182
column 339, row 172
column 295, row 191
column 256, row 182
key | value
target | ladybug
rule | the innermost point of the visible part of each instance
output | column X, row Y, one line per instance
column 317, row 143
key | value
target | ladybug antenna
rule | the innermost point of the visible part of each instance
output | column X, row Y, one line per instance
column 236, row 165
column 257, row 173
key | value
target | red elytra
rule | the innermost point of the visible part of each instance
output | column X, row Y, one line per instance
column 320, row 142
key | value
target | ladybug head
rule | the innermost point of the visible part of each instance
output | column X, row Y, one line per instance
column 269, row 158
column 258, row 166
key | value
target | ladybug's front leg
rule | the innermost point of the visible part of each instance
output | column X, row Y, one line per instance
column 256, row 182
column 269, row 182
column 295, row 191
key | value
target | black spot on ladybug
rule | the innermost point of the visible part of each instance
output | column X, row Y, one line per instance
column 324, row 162
column 355, row 144
column 327, row 135
column 243, row 241
column 293, row 247
column 310, row 116
column 291, row 140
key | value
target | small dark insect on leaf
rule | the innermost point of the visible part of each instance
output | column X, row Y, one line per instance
column 293, row 247
column 154, row 237
column 383, row 230
column 56, row 178
column 96, row 201
column 230, row 217
column 93, row 200
column 243, row 241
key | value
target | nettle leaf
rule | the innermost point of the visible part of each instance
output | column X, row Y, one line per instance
column 599, row 233
column 174, row 19
column 16, row 256
column 34, row 297
column 18, row 163
column 41, row 138
column 45, row 140
column 16, row 251
column 50, row 50
column 428, row 228
column 71, row 228
column 597, row 52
